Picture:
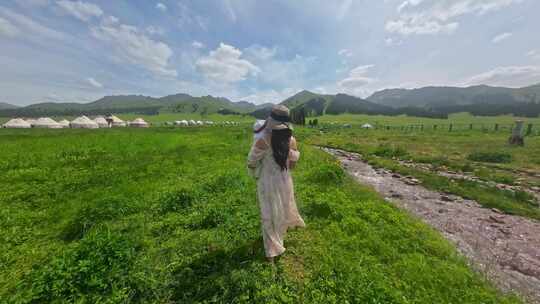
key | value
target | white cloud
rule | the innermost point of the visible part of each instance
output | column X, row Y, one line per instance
column 344, row 8
column 260, row 53
column 392, row 42
column 133, row 46
column 162, row 7
column 188, row 17
column 270, row 96
column 279, row 71
column 511, row 76
column 357, row 80
column 501, row 37
column 345, row 53
column 197, row 44
column 419, row 25
column 229, row 10
column 29, row 28
column 155, row 30
column 7, row 28
column 224, row 65
column 94, row 83
column 83, row 11
column 408, row 3
column 534, row 54
column 437, row 16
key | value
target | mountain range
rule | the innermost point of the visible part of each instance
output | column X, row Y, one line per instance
column 434, row 97
column 6, row 106
column 427, row 101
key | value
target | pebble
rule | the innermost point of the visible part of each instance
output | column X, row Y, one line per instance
column 447, row 198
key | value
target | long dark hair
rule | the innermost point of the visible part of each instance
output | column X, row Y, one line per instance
column 280, row 146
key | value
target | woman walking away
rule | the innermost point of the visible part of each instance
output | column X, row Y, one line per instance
column 276, row 154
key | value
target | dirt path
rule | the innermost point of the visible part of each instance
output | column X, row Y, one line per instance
column 505, row 248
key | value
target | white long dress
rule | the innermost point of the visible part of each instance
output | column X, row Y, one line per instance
column 276, row 195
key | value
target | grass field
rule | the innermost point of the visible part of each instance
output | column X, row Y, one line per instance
column 169, row 215
column 454, row 151
column 458, row 118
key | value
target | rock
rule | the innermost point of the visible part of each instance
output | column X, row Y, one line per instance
column 412, row 182
column 496, row 219
column 446, row 198
column 396, row 195
column 442, row 210
column 505, row 231
column 395, row 175
column 497, row 211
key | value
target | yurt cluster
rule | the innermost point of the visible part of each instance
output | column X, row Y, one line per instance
column 82, row 122
column 187, row 123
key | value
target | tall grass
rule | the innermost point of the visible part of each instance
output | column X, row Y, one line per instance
column 170, row 216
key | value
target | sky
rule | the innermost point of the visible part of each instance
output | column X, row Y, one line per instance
column 261, row 51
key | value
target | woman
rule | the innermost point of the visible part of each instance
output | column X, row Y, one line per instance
column 275, row 153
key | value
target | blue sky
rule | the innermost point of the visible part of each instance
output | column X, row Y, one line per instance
column 260, row 51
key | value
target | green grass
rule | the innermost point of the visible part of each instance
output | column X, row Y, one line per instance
column 464, row 119
column 169, row 215
column 451, row 151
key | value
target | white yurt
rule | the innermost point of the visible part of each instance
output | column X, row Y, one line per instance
column 116, row 122
column 31, row 121
column 102, row 123
column 46, row 123
column 17, row 123
column 367, row 126
column 199, row 123
column 184, row 123
column 192, row 122
column 64, row 123
column 209, row 122
column 83, row 122
column 139, row 123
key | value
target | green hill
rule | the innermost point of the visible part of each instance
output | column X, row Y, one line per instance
column 319, row 104
column 434, row 97
column 7, row 106
column 178, row 103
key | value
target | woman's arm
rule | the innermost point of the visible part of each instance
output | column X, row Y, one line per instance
column 294, row 154
column 256, row 153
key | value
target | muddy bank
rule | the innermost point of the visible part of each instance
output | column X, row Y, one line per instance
column 505, row 248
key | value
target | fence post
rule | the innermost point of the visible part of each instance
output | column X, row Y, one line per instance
column 470, row 127
column 517, row 134
column 450, row 128
column 435, row 127
column 529, row 129
column 496, row 127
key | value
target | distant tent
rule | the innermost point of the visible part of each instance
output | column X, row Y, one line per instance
column 367, row 126
column 47, row 123
column 139, row 123
column 31, row 121
column 116, row 122
column 192, row 122
column 84, row 122
column 199, row 123
column 17, row 123
column 183, row 123
column 64, row 123
column 102, row 123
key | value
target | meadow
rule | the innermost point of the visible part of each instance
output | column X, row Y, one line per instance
column 483, row 154
column 165, row 215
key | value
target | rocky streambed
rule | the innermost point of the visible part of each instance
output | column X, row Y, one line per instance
column 506, row 248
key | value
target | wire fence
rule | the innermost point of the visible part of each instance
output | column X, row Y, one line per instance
column 529, row 129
